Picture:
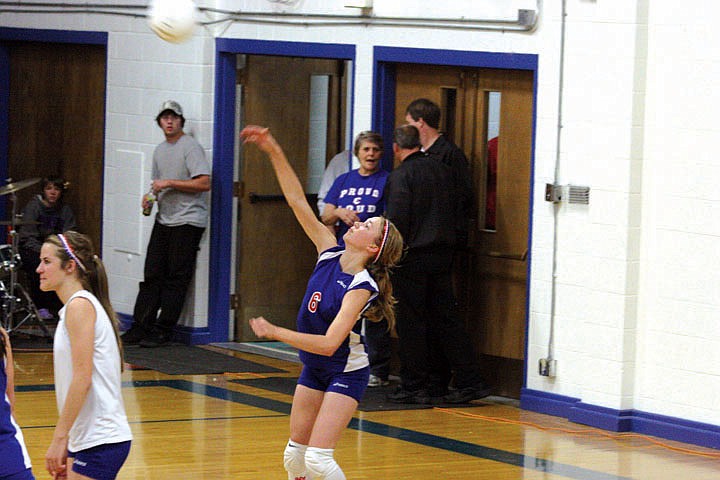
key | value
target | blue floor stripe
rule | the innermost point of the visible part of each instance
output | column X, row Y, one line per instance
column 479, row 451
column 412, row 436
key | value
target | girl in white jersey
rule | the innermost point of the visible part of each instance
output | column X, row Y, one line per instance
column 92, row 436
column 343, row 285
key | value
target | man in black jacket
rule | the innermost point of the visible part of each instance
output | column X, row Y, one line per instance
column 422, row 202
column 424, row 115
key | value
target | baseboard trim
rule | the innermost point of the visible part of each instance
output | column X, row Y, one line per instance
column 636, row 421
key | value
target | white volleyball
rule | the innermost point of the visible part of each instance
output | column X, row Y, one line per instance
column 172, row 20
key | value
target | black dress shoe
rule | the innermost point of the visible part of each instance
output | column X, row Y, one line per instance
column 467, row 394
column 418, row 397
column 154, row 340
column 133, row 336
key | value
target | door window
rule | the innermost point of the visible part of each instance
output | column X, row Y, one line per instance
column 492, row 127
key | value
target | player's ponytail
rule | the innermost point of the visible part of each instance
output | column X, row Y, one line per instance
column 389, row 255
column 2, row 348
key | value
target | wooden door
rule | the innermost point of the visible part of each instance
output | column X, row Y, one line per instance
column 56, row 124
column 491, row 280
column 275, row 258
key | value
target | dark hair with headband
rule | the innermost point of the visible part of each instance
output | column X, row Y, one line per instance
column 390, row 250
column 78, row 248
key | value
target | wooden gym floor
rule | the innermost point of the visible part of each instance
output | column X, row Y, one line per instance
column 205, row 427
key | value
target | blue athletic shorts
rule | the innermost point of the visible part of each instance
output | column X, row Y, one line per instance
column 24, row 475
column 352, row 384
column 102, row 462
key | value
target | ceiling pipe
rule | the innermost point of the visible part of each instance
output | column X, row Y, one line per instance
column 526, row 20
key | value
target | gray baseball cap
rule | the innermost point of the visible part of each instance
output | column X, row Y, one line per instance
column 171, row 105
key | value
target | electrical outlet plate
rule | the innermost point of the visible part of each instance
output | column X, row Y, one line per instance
column 547, row 367
column 543, row 367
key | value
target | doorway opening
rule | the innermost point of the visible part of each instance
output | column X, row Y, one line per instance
column 488, row 109
column 239, row 100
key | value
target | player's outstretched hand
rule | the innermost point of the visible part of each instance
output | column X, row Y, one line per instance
column 260, row 136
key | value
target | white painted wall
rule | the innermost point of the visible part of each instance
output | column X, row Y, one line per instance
column 637, row 299
column 597, row 248
column 679, row 321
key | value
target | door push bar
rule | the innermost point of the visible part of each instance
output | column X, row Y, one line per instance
column 510, row 256
column 258, row 198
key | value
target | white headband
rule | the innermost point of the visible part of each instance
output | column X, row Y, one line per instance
column 70, row 252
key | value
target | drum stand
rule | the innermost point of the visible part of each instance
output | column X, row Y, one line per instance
column 16, row 306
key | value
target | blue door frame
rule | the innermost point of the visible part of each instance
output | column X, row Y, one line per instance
column 221, row 222
column 383, row 120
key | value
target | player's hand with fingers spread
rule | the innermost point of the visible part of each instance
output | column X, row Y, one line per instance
column 262, row 327
column 260, row 136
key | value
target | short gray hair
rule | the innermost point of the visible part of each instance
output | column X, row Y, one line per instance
column 407, row 137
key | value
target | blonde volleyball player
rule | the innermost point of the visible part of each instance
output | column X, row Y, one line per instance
column 346, row 283
column 92, row 436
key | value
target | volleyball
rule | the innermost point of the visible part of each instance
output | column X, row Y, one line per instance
column 172, row 20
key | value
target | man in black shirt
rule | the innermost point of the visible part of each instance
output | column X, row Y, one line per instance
column 422, row 203
column 424, row 115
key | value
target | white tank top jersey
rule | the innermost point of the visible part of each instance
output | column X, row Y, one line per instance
column 102, row 419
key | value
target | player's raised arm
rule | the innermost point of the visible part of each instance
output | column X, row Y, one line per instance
column 290, row 185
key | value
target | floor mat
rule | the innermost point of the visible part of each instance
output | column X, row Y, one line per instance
column 374, row 400
column 30, row 343
column 279, row 350
column 189, row 360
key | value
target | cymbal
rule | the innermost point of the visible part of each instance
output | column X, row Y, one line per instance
column 15, row 186
column 19, row 222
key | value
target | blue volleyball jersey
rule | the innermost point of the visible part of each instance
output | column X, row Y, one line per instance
column 326, row 288
column 14, row 456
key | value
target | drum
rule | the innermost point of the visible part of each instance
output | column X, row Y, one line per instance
column 8, row 259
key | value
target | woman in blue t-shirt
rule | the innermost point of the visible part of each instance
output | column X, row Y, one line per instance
column 345, row 284
column 358, row 194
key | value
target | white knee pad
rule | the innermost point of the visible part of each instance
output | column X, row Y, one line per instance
column 320, row 464
column 294, row 460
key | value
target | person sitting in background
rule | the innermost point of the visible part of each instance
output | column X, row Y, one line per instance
column 45, row 214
